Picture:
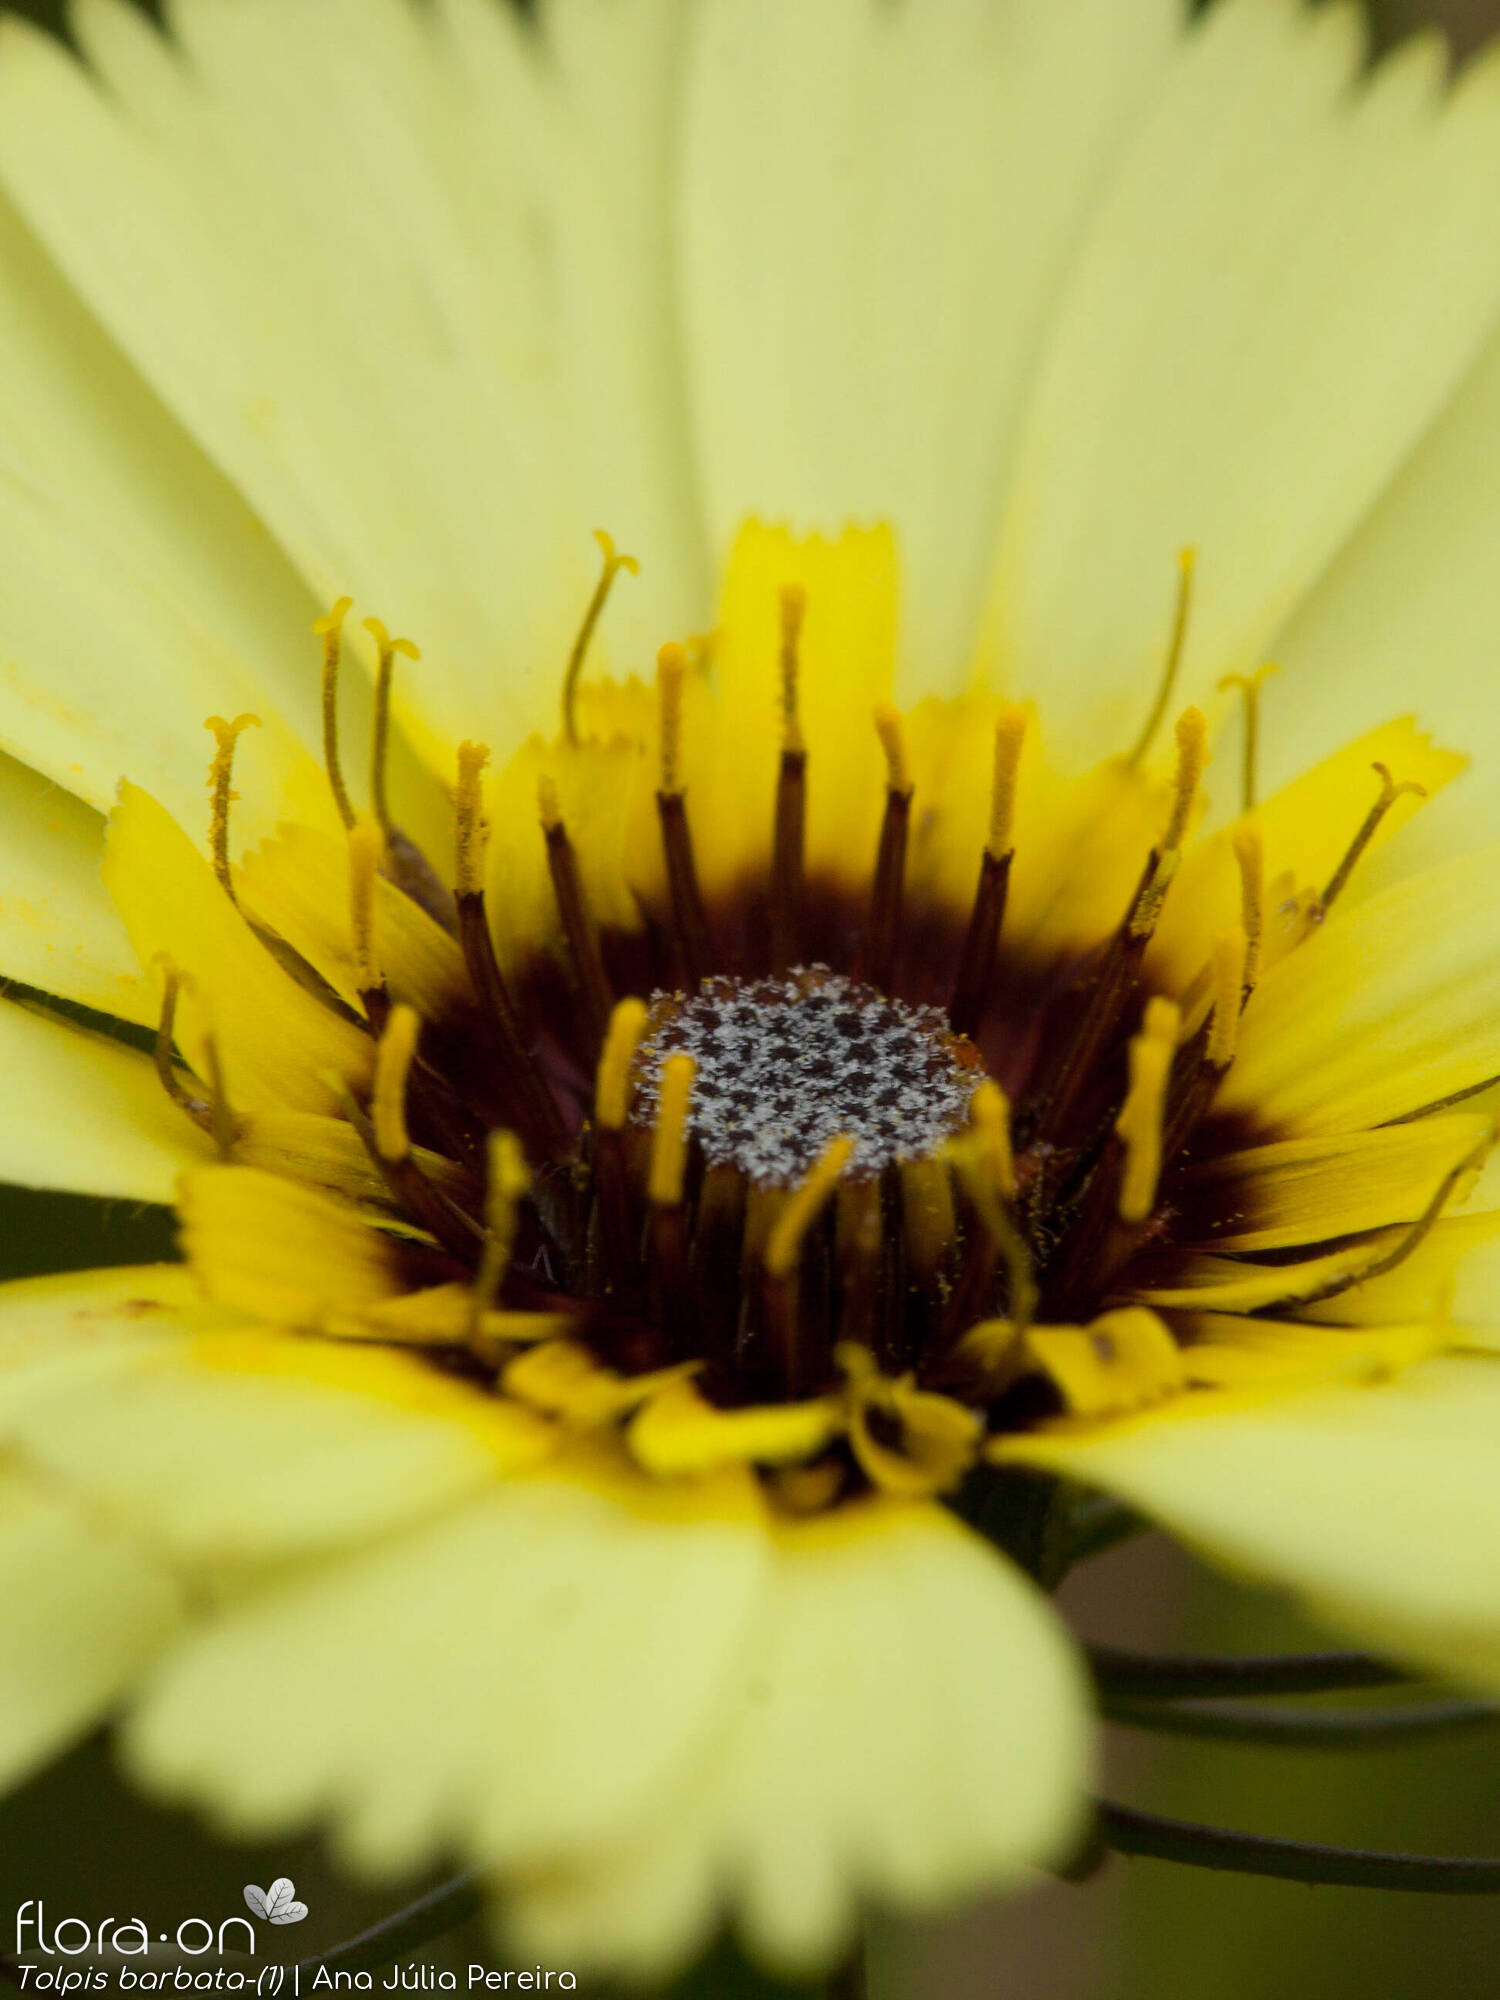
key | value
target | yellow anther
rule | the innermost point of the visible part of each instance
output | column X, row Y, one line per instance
column 671, row 672
column 508, row 1181
column 1228, row 975
column 393, row 1061
column 612, row 1086
column 1192, row 756
column 1121, row 1361
column 1390, row 791
column 989, row 1115
column 226, row 735
column 793, row 611
column 387, row 648
column 614, row 562
column 366, row 852
column 1010, row 733
column 1186, row 562
column 330, row 629
column 468, row 819
column 1250, row 686
column 803, row 1206
column 893, row 743
column 1249, row 852
column 1140, row 1121
column 548, row 809
column 1148, row 909
column 669, row 1135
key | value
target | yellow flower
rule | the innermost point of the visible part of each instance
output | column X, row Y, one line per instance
column 723, row 1088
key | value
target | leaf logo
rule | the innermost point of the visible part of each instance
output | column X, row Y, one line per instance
column 278, row 1904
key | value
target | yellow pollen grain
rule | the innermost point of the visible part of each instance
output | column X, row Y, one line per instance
column 669, row 1135
column 1228, row 975
column 989, row 1114
column 220, row 771
column 627, row 1024
column 804, row 1205
column 1140, row 1121
column 893, row 743
column 614, row 562
column 330, row 629
column 671, row 672
column 1010, row 733
column 468, row 819
column 393, row 1061
column 1192, row 756
column 1249, row 853
column 387, row 648
column 547, row 806
column 366, row 852
column 793, row 611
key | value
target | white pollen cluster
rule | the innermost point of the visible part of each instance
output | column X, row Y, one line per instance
column 787, row 1064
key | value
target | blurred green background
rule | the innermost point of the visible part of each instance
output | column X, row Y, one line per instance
column 1142, row 1931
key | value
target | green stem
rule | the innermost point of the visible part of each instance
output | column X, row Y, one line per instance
column 1147, row 1678
column 1131, row 1832
column 1307, row 1729
column 442, row 1909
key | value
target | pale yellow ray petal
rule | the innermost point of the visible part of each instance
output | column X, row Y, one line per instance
column 1378, row 1507
column 877, row 208
column 1211, row 380
column 230, row 1444
column 104, row 673
column 382, row 392
column 59, row 931
column 1392, row 1005
column 1299, row 1191
column 1408, row 614
column 87, row 1113
column 85, row 1611
column 76, row 419
column 908, row 1727
column 514, row 1680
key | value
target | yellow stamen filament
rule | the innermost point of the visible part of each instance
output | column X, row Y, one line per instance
column 393, row 1061
column 804, row 1205
column 1249, row 852
column 468, row 819
column 1250, row 686
column 220, row 771
column 612, row 1086
column 366, row 852
column 1010, row 733
column 793, row 611
column 330, row 629
column 989, row 1115
column 1390, row 791
column 1227, row 971
column 226, row 1127
column 1192, row 756
column 548, row 809
column 1140, row 1121
column 614, row 562
column 1186, row 561
column 669, row 1135
column 671, row 672
column 388, row 648
column 509, row 1179
column 893, row 743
